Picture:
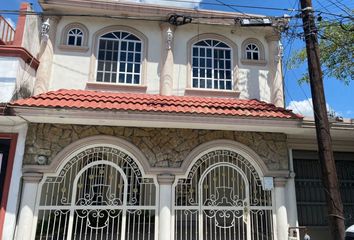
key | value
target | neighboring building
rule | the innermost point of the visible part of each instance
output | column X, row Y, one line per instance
column 164, row 123
column 18, row 65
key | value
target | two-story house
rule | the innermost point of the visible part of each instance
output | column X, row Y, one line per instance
column 158, row 122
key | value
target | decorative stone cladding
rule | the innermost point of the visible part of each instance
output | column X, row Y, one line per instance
column 163, row 147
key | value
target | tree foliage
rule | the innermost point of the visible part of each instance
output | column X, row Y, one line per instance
column 336, row 44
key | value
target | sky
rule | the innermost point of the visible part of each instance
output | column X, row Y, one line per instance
column 340, row 97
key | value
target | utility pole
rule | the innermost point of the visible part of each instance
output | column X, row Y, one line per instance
column 328, row 167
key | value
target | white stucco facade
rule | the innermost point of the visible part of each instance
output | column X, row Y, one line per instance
column 75, row 69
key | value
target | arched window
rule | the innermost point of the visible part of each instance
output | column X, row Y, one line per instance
column 211, row 65
column 75, row 37
column 252, row 52
column 119, row 58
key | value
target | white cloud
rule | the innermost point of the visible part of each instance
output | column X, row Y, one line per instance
column 11, row 22
column 179, row 3
column 305, row 108
column 302, row 107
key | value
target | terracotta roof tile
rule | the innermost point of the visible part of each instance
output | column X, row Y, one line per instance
column 92, row 100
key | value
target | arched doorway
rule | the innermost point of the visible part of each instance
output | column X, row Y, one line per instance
column 100, row 193
column 222, row 198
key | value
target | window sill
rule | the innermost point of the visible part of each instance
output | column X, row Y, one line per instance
column 73, row 48
column 254, row 62
column 116, row 87
column 211, row 93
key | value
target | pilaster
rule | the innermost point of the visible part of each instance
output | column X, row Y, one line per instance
column 45, row 57
column 280, row 208
column 166, row 72
column 28, row 203
column 165, row 208
column 275, row 69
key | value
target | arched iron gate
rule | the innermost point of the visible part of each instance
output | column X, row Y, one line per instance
column 98, row 194
column 222, row 199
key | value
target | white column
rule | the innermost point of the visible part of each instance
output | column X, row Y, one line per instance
column 275, row 69
column 27, row 207
column 46, row 58
column 165, row 206
column 291, row 197
column 280, row 209
column 166, row 73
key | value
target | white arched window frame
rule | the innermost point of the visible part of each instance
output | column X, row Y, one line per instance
column 119, row 58
column 75, row 37
column 211, row 65
column 253, row 52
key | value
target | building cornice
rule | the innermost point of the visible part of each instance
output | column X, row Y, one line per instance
column 128, row 9
column 156, row 119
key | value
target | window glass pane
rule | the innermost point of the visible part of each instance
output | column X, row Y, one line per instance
column 130, row 67
column 202, row 73
column 222, row 84
column 102, row 44
column 108, row 55
column 138, row 47
column 137, row 57
column 121, row 78
column 202, row 62
column 209, row 63
column 228, row 85
column 195, row 51
column 123, row 45
column 195, row 62
column 208, row 52
column 255, row 55
column 228, row 64
column 124, row 35
column 109, row 35
column 101, row 55
column 132, row 37
column 202, row 83
column 107, row 66
column 228, row 74
column 137, row 68
column 71, row 40
column 123, row 56
column 131, row 46
column 99, row 77
column 100, row 66
column 79, row 41
column 195, row 82
column 114, row 78
column 136, row 79
column 202, row 52
column 209, row 75
column 216, row 84
column 249, row 55
column 122, row 67
column 227, row 54
column 222, row 45
column 107, row 77
column 195, row 72
column 129, row 78
column 109, row 45
column 201, row 43
column 130, row 57
column 209, row 84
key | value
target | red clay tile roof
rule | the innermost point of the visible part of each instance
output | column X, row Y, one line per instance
column 92, row 100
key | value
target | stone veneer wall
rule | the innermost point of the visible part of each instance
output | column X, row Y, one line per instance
column 163, row 147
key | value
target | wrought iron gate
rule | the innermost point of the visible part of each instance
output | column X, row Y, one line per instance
column 222, row 199
column 98, row 194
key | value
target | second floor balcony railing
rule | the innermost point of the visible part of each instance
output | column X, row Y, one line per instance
column 7, row 32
